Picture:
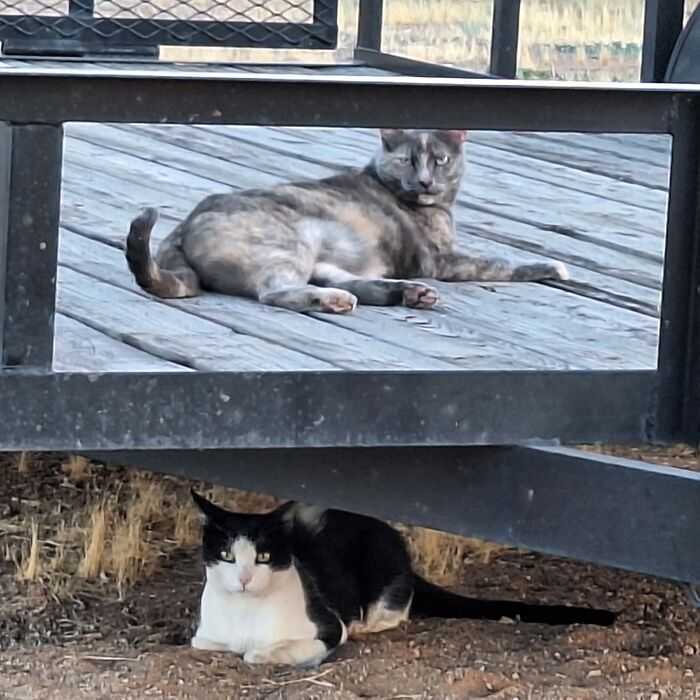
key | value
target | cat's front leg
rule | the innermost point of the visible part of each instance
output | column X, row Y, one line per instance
column 457, row 266
column 293, row 652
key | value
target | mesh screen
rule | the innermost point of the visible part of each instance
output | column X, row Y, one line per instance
column 241, row 23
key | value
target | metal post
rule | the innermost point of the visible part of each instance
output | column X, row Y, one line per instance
column 663, row 22
column 369, row 25
column 504, row 38
column 678, row 410
column 30, row 196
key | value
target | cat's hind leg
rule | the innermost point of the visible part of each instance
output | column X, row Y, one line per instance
column 376, row 291
column 293, row 652
column 388, row 611
column 287, row 286
column 457, row 266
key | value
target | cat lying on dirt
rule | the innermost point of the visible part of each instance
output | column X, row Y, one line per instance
column 290, row 586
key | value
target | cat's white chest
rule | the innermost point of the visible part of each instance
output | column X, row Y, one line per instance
column 240, row 622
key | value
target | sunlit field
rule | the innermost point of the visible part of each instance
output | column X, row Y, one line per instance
column 559, row 39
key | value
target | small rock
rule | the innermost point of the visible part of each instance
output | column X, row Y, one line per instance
column 594, row 673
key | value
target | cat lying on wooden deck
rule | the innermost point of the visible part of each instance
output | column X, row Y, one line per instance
column 290, row 586
column 325, row 245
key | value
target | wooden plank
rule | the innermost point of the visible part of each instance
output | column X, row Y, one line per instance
column 296, row 332
column 592, row 332
column 580, row 332
column 478, row 334
column 646, row 149
column 190, row 152
column 167, row 333
column 649, row 142
column 80, row 348
column 652, row 176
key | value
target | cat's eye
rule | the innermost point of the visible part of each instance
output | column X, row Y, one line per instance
column 263, row 557
column 402, row 160
column 227, row 555
column 442, row 160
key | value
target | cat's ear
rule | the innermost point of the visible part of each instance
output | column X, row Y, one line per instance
column 456, row 137
column 391, row 137
column 210, row 512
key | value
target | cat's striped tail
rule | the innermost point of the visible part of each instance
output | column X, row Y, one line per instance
column 175, row 279
column 430, row 600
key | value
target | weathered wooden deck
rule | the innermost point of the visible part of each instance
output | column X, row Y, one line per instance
column 597, row 202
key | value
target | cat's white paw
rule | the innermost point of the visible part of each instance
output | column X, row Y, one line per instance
column 337, row 301
column 561, row 270
column 204, row 644
column 307, row 653
column 259, row 656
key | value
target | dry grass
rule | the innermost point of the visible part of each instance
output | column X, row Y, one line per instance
column 95, row 541
column 23, row 462
column 120, row 529
column 29, row 564
column 78, row 468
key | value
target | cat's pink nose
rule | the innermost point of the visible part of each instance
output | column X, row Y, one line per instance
column 245, row 579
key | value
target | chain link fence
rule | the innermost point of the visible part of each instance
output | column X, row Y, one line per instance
column 110, row 26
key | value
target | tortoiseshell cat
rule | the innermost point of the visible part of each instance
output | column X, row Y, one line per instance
column 290, row 586
column 326, row 245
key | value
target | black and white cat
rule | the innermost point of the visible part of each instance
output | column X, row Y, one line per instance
column 290, row 586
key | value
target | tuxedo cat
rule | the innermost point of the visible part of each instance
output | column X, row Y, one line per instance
column 290, row 586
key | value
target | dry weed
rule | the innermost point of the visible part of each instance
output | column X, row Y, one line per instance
column 131, row 556
column 78, row 468
column 124, row 523
column 29, row 564
column 23, row 462
column 186, row 530
column 441, row 556
column 95, row 542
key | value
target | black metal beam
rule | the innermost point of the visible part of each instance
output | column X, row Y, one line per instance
column 505, row 28
column 575, row 504
column 663, row 22
column 318, row 409
column 678, row 416
column 410, row 66
column 30, row 197
column 45, row 95
column 370, row 21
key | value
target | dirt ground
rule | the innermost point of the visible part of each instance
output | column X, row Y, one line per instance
column 76, row 622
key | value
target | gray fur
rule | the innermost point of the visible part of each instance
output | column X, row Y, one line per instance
column 324, row 245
